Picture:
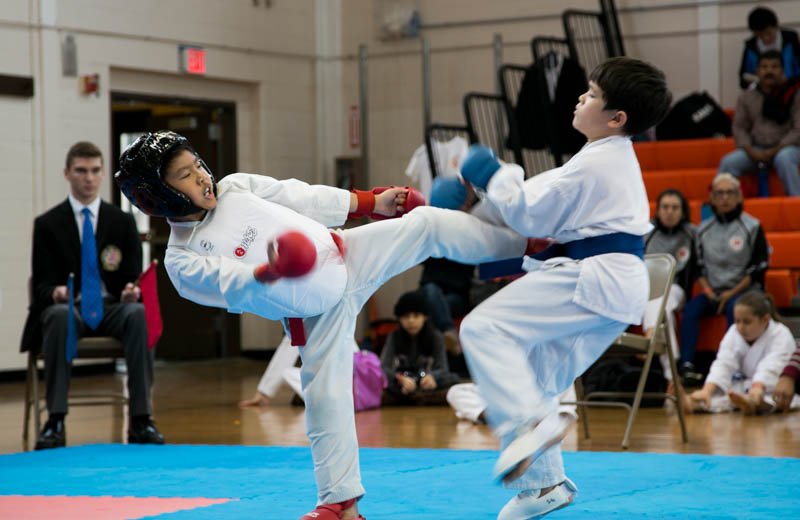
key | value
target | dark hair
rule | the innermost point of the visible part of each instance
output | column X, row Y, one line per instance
column 760, row 303
column 409, row 302
column 770, row 55
column 686, row 212
column 83, row 149
column 636, row 88
column 172, row 153
column 760, row 18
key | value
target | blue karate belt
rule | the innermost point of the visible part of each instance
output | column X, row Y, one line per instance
column 577, row 250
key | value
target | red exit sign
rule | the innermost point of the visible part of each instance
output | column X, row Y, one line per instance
column 192, row 59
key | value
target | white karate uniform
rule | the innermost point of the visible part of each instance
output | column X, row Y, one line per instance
column 211, row 262
column 281, row 369
column 468, row 404
column 738, row 364
column 448, row 156
column 528, row 342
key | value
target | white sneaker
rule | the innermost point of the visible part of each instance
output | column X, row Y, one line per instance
column 532, row 443
column 528, row 503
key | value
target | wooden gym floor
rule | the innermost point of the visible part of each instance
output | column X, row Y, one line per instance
column 196, row 403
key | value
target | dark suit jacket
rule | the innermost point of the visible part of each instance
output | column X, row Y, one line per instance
column 57, row 252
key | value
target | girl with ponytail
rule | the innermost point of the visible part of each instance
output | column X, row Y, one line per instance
column 751, row 356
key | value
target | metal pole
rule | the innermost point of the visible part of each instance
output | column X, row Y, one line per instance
column 362, row 95
column 426, row 85
column 498, row 60
column 498, row 63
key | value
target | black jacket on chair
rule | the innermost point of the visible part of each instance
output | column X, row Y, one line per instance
column 57, row 252
column 534, row 108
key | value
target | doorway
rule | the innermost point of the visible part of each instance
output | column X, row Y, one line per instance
column 191, row 331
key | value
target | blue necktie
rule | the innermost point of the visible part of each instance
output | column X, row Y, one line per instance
column 91, row 291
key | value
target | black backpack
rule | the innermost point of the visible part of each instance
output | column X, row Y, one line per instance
column 694, row 117
column 621, row 374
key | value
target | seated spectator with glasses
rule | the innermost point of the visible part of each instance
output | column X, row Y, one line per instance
column 733, row 256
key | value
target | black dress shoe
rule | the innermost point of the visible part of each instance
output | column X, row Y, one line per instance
column 144, row 432
column 53, row 435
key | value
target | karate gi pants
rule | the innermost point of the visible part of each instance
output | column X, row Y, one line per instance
column 374, row 253
column 525, row 345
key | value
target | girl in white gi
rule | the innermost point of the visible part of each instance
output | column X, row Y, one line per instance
column 316, row 282
column 749, row 361
column 528, row 342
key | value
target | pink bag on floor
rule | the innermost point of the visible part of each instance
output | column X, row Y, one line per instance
column 368, row 380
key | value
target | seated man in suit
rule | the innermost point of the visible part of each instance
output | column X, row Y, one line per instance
column 100, row 244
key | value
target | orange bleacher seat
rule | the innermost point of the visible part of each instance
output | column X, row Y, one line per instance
column 684, row 153
column 767, row 211
column 693, row 183
column 712, row 329
column 785, row 249
column 775, row 213
column 729, row 112
column 779, row 284
column 750, row 185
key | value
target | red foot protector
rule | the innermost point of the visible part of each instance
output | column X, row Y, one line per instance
column 330, row 511
column 22, row 507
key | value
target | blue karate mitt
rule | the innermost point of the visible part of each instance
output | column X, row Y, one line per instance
column 479, row 165
column 448, row 193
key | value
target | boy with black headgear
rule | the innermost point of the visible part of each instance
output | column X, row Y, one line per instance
column 315, row 281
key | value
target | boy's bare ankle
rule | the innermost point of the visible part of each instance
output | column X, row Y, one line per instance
column 546, row 490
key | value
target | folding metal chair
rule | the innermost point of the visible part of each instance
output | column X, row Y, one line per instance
column 88, row 348
column 438, row 132
column 542, row 45
column 488, row 124
column 588, row 38
column 661, row 270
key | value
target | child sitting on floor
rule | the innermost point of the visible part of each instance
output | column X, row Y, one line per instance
column 414, row 358
column 750, row 358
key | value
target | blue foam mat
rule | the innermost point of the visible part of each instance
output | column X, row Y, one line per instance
column 277, row 482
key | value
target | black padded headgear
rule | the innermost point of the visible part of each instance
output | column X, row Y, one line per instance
column 140, row 176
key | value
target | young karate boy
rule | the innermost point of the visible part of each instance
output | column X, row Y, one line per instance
column 528, row 342
column 316, row 282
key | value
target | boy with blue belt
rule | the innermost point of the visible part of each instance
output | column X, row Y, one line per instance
column 529, row 341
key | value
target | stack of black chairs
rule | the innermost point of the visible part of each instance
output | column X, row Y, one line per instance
column 492, row 119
